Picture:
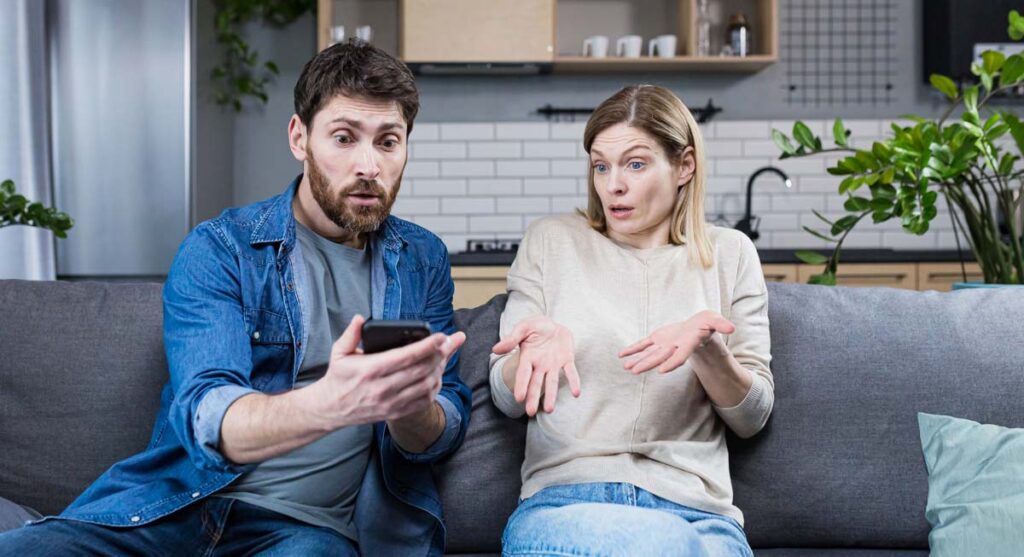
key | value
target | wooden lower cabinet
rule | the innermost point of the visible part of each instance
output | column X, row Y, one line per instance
column 941, row 276
column 893, row 275
column 475, row 285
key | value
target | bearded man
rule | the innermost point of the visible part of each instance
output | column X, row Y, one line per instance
column 276, row 435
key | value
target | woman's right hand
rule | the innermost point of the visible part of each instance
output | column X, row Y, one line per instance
column 545, row 351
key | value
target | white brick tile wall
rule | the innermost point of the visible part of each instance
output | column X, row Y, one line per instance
column 437, row 150
column 467, row 205
column 495, row 186
column 523, row 130
column 431, row 187
column 471, row 169
column 495, row 150
column 549, row 186
column 524, row 168
column 450, row 132
column 490, row 180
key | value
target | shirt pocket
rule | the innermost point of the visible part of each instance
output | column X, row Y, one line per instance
column 267, row 328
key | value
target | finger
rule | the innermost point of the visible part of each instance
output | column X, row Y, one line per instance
column 394, row 383
column 722, row 325
column 534, row 392
column 414, row 398
column 523, row 374
column 406, row 356
column 551, row 390
column 675, row 360
column 511, row 340
column 635, row 347
column 573, row 376
column 632, row 361
column 652, row 360
column 348, row 342
column 452, row 343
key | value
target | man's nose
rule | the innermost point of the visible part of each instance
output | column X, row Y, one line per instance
column 367, row 165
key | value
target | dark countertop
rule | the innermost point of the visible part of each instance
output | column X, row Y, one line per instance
column 768, row 256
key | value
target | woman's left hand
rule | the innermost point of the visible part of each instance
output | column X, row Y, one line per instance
column 670, row 346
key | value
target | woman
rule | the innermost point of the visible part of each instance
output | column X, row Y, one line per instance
column 659, row 324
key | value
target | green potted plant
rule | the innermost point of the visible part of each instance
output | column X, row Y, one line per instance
column 16, row 210
column 961, row 161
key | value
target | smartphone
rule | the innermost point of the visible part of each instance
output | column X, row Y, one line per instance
column 382, row 335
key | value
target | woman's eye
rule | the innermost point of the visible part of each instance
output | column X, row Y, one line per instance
column 636, row 165
column 600, row 167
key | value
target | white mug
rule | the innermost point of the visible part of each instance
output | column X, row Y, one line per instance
column 597, row 46
column 664, row 44
column 337, row 34
column 629, row 46
column 364, row 33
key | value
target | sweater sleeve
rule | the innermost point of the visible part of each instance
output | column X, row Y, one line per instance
column 750, row 344
column 525, row 299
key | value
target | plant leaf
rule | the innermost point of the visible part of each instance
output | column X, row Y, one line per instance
column 783, row 142
column 804, row 135
column 811, row 257
column 839, row 132
column 944, row 85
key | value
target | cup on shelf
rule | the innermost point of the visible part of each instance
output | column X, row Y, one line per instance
column 364, row 33
column 596, row 46
column 337, row 34
column 665, row 45
column 629, row 46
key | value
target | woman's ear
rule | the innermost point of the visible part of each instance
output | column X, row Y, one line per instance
column 687, row 167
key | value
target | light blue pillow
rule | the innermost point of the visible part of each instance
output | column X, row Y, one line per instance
column 975, row 487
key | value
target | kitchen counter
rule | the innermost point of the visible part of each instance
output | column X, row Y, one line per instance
column 768, row 256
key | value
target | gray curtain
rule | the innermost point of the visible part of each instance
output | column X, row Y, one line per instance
column 25, row 252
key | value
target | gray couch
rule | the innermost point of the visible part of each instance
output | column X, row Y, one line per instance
column 837, row 471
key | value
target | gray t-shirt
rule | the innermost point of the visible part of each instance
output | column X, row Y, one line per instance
column 318, row 483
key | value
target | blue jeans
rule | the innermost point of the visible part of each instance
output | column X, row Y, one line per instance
column 611, row 519
column 214, row 526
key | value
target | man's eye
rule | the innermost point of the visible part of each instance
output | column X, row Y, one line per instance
column 389, row 143
column 343, row 139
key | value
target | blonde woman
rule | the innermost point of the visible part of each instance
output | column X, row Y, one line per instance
column 658, row 323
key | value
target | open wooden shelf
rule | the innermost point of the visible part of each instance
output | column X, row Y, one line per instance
column 578, row 64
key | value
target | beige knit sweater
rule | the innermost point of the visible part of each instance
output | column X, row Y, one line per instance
column 658, row 432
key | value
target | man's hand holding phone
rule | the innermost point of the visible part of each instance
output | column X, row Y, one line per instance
column 366, row 388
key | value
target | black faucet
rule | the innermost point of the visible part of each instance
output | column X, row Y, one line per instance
column 746, row 224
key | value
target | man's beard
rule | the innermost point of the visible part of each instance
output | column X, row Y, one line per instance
column 356, row 218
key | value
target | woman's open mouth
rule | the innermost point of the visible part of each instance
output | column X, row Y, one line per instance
column 620, row 211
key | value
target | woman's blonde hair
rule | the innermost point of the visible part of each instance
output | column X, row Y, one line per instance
column 659, row 112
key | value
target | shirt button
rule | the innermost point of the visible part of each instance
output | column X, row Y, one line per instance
column 256, row 335
column 136, row 518
column 291, row 287
column 195, row 494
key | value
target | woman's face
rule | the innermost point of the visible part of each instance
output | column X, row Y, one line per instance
column 637, row 183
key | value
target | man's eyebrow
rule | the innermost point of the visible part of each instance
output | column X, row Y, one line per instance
column 359, row 125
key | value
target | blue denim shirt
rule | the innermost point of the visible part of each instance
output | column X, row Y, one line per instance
column 236, row 322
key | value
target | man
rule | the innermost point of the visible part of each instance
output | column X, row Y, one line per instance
column 276, row 435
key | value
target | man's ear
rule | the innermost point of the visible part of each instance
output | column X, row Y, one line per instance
column 687, row 167
column 297, row 138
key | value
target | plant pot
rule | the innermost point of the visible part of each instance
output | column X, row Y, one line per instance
column 968, row 285
column 26, row 253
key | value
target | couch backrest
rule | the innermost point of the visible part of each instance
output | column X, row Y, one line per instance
column 81, row 367
column 839, row 463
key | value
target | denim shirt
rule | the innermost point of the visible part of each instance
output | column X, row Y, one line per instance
column 235, row 322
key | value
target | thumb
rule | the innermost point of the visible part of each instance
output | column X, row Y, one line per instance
column 511, row 341
column 348, row 342
column 722, row 325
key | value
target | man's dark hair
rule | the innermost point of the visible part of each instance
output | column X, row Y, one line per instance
column 355, row 68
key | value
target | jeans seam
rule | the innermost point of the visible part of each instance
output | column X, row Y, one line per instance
column 217, row 532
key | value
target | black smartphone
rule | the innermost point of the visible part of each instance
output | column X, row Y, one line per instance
column 381, row 335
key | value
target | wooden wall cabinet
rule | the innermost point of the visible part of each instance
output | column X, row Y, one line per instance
column 440, row 31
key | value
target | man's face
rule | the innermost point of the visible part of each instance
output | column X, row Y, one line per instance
column 356, row 151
